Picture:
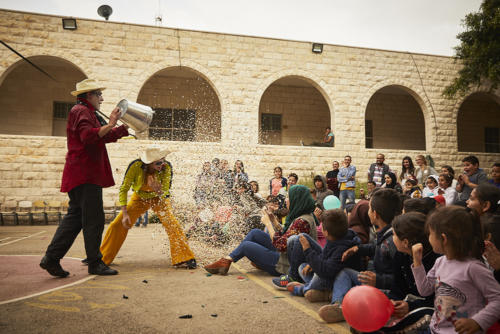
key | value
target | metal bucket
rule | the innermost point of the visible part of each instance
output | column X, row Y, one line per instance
column 135, row 115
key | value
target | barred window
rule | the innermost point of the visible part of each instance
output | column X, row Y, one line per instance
column 173, row 124
column 271, row 122
column 369, row 133
column 61, row 109
column 492, row 140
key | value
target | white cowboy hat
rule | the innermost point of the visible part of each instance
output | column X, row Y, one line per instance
column 152, row 154
column 87, row 85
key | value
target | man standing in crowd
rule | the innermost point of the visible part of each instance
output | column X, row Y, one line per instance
column 331, row 178
column 346, row 178
column 378, row 170
column 87, row 170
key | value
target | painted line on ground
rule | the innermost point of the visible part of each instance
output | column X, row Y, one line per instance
column 4, row 239
column 50, row 290
column 286, row 296
column 29, row 236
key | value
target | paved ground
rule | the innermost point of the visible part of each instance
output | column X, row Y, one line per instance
column 157, row 294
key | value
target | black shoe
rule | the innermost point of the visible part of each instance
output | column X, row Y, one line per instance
column 191, row 264
column 101, row 269
column 85, row 262
column 53, row 267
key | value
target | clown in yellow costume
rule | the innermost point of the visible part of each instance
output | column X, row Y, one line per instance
column 150, row 178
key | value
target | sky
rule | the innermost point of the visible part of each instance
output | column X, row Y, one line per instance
column 422, row 26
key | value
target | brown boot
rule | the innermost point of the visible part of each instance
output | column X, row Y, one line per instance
column 220, row 266
column 331, row 313
column 315, row 296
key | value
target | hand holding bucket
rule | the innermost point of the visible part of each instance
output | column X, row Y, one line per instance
column 135, row 115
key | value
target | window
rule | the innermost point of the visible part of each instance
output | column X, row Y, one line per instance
column 61, row 109
column 60, row 114
column 271, row 122
column 492, row 140
column 173, row 124
column 369, row 133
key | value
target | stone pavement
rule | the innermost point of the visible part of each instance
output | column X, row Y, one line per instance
column 149, row 296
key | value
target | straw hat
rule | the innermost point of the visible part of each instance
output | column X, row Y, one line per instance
column 152, row 154
column 87, row 85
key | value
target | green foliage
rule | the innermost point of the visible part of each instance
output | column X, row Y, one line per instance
column 479, row 50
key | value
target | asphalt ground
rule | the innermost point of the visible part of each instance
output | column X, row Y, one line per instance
column 148, row 295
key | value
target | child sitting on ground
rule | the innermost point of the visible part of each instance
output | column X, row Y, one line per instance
column 431, row 186
column 411, row 189
column 446, row 189
column 467, row 296
column 384, row 206
column 495, row 175
column 318, row 267
column 411, row 311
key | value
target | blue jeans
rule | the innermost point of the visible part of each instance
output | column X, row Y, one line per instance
column 313, row 281
column 139, row 220
column 344, row 281
column 296, row 255
column 346, row 194
column 258, row 248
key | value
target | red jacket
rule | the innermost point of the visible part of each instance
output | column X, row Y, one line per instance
column 87, row 159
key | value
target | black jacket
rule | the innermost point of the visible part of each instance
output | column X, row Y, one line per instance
column 383, row 254
column 328, row 263
column 404, row 283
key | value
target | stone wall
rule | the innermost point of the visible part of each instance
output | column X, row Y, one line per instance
column 239, row 69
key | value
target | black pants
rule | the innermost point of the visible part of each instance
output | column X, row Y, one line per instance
column 85, row 212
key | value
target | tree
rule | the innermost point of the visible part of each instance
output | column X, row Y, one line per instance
column 479, row 51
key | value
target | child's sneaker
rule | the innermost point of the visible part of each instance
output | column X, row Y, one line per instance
column 315, row 296
column 281, row 282
column 296, row 288
column 331, row 313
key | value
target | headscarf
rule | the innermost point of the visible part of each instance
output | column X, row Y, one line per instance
column 301, row 202
column 359, row 221
column 394, row 181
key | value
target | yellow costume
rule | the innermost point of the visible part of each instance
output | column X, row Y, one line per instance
column 143, row 199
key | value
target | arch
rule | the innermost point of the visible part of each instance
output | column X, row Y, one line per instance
column 200, row 70
column 477, row 119
column 12, row 60
column 415, row 92
column 41, row 100
column 312, row 81
column 188, row 108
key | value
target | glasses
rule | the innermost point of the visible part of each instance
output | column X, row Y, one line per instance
column 98, row 94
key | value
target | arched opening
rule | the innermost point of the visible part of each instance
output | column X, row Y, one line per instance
column 186, row 106
column 394, row 120
column 478, row 124
column 292, row 111
column 33, row 104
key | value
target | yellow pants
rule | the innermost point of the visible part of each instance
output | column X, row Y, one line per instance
column 136, row 207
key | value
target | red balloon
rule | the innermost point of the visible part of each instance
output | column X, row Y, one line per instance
column 366, row 308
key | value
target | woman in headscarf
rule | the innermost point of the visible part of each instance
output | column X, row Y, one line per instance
column 266, row 249
column 391, row 182
column 359, row 221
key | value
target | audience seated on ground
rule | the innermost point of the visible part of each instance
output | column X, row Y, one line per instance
column 384, row 206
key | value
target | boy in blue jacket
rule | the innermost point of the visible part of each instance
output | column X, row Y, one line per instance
column 319, row 267
column 385, row 204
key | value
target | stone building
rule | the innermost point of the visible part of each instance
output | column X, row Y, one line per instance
column 232, row 97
